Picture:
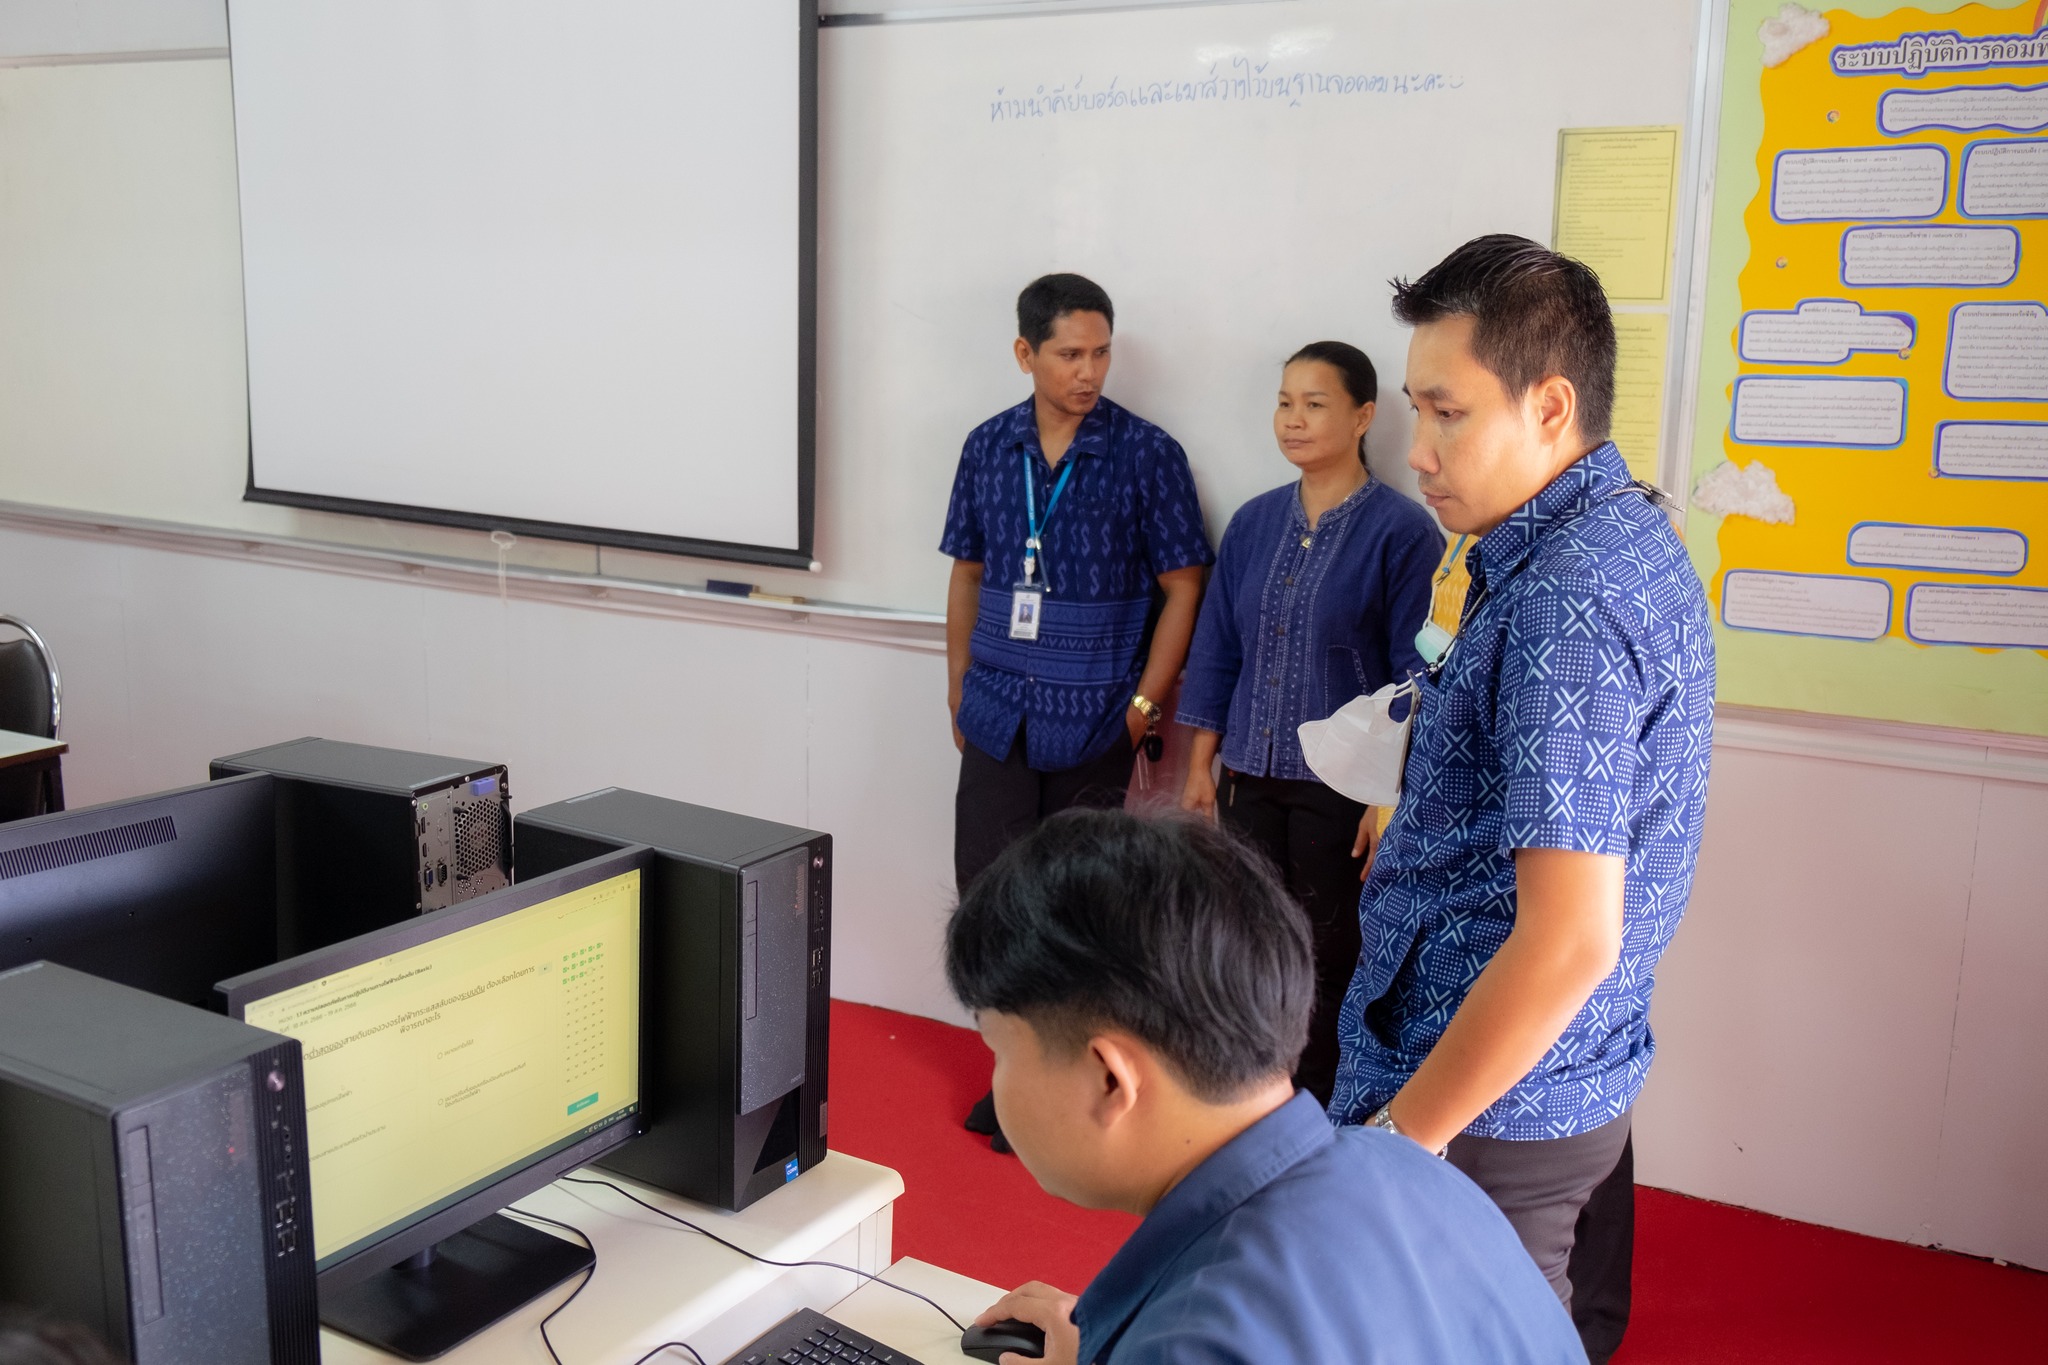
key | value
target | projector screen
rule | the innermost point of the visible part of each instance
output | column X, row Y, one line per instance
column 539, row 265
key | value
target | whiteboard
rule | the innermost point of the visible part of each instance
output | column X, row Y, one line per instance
column 1241, row 178
column 96, row 28
column 529, row 261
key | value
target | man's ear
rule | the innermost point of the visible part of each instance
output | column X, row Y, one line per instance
column 1120, row 1077
column 1554, row 406
column 1023, row 355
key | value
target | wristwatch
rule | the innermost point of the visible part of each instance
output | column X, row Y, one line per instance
column 1149, row 709
column 1385, row 1119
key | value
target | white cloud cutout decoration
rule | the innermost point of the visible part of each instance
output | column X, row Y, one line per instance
column 1795, row 27
column 1733, row 490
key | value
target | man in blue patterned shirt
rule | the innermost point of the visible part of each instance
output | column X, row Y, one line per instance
column 1550, row 815
column 1078, row 548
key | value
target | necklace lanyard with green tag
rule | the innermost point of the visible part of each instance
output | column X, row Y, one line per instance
column 1432, row 642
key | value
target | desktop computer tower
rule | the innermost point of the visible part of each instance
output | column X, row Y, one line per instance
column 736, row 1010
column 154, row 1182
column 369, row 836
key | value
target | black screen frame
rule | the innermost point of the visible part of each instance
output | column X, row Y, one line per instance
column 776, row 556
column 513, row 1183
column 161, row 892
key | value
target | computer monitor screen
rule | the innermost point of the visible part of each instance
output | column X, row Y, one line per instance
column 446, row 1054
column 167, row 893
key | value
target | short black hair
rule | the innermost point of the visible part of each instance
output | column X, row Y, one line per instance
column 1049, row 298
column 1354, row 366
column 1165, row 927
column 1534, row 314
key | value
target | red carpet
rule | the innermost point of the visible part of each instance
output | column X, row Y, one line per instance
column 1713, row 1284
column 900, row 1086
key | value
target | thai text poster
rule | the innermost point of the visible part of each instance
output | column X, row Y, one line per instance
column 1870, row 457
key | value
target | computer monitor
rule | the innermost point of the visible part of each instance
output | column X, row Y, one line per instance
column 166, row 893
column 455, row 1063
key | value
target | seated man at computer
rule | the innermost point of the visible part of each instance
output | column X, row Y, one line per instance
column 1145, row 985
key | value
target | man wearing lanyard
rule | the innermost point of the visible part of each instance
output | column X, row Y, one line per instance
column 1550, row 814
column 1069, row 516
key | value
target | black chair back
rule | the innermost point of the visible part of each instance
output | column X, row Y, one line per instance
column 28, row 706
column 25, row 690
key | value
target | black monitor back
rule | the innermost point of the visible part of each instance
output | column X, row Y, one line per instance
column 166, row 893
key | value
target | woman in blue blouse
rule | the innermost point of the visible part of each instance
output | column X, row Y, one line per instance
column 1319, row 589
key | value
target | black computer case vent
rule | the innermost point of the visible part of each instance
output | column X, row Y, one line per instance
column 83, row 848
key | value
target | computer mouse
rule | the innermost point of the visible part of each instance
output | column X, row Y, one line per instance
column 988, row 1343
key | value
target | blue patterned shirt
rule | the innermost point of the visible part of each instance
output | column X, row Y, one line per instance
column 1576, row 711
column 1296, row 623
column 1128, row 514
column 1297, row 1244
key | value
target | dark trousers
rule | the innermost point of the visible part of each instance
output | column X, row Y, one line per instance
column 1547, row 1189
column 1603, row 1260
column 1000, row 801
column 1308, row 830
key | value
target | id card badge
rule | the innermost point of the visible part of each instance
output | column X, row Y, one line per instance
column 1027, row 604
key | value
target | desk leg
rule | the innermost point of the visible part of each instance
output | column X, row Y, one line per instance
column 53, row 785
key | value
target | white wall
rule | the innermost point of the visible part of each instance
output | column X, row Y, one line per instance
column 1850, row 1023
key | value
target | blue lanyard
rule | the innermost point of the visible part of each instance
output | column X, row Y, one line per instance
column 1032, row 542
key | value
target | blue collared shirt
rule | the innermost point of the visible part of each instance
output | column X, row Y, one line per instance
column 1128, row 514
column 1576, row 711
column 1296, row 623
column 1296, row 1242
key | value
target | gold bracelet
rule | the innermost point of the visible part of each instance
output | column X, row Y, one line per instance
column 1150, row 710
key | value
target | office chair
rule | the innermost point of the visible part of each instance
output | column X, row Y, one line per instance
column 31, row 703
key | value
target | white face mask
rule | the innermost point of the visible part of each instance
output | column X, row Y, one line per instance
column 1361, row 750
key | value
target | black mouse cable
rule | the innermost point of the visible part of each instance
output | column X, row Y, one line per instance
column 588, row 1276
column 733, row 1246
column 672, row 1346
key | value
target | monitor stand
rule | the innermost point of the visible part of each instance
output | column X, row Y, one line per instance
column 424, row 1307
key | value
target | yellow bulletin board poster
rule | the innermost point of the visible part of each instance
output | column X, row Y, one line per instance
column 1617, row 211
column 1869, row 504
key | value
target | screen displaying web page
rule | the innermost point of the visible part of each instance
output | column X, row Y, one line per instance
column 433, row 1071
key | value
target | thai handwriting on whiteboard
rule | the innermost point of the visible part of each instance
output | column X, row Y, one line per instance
column 1244, row 82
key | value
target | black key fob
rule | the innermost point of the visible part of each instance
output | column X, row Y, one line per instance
column 1152, row 747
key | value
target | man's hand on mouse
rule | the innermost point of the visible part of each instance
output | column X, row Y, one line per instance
column 1050, row 1310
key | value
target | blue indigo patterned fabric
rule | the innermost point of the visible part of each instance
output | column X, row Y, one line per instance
column 1575, row 711
column 1127, row 515
column 1296, row 1243
column 1296, row 623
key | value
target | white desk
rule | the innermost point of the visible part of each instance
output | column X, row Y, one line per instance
column 902, row 1322
column 658, row 1282
column 17, row 748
